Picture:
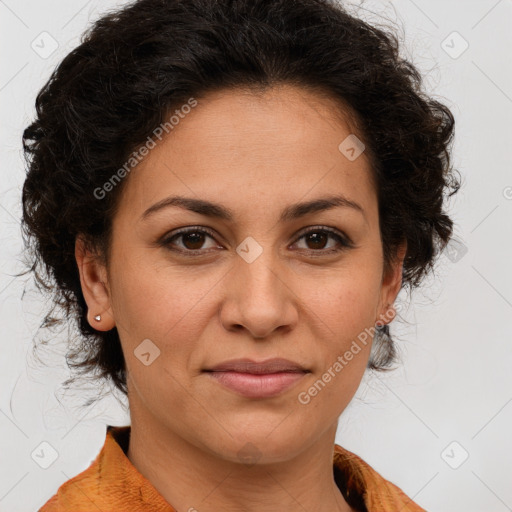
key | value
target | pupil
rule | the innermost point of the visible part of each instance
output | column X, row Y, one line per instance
column 318, row 239
column 196, row 240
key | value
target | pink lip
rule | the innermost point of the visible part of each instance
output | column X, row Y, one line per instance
column 257, row 385
column 275, row 365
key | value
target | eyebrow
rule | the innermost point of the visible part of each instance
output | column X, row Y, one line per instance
column 294, row 211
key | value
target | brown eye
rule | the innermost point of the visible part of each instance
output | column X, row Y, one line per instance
column 316, row 240
column 192, row 240
column 324, row 241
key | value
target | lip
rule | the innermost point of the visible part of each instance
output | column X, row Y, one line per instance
column 258, row 379
column 252, row 385
column 268, row 366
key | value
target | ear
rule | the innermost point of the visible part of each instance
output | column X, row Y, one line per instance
column 391, row 284
column 95, row 287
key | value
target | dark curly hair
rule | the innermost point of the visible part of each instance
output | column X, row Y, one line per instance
column 136, row 64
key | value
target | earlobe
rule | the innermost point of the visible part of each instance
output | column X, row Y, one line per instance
column 387, row 316
column 94, row 284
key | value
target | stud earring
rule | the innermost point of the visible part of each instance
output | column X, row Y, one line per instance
column 97, row 318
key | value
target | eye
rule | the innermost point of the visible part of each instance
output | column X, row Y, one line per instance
column 191, row 239
column 317, row 240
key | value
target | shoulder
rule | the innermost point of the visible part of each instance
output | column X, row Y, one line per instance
column 377, row 493
column 111, row 482
column 77, row 492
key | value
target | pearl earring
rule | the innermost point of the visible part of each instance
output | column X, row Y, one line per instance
column 97, row 318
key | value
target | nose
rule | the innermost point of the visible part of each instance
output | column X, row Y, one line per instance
column 259, row 298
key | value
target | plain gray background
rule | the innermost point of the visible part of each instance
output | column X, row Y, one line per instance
column 439, row 426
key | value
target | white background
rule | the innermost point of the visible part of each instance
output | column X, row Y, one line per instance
column 455, row 381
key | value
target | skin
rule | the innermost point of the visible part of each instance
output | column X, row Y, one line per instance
column 254, row 154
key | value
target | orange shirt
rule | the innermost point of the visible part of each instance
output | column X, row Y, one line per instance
column 112, row 484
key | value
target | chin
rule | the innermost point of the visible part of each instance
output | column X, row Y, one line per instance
column 268, row 445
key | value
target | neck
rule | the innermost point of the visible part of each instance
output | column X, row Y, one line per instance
column 193, row 478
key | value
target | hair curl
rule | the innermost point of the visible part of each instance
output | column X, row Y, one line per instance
column 136, row 64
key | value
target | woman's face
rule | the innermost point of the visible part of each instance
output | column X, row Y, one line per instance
column 255, row 175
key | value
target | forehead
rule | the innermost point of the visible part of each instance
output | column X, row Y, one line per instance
column 244, row 145
column 281, row 117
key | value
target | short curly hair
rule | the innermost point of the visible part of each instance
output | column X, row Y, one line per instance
column 136, row 64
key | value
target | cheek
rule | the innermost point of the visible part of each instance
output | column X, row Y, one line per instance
column 152, row 297
column 343, row 308
column 156, row 304
column 167, row 305
column 345, row 314
column 346, row 302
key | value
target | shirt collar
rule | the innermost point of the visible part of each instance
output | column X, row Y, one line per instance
column 362, row 487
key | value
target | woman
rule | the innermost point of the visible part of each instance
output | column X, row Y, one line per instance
column 227, row 196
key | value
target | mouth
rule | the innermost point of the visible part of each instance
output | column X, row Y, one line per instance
column 269, row 366
column 258, row 379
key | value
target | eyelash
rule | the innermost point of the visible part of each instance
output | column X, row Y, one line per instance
column 344, row 241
